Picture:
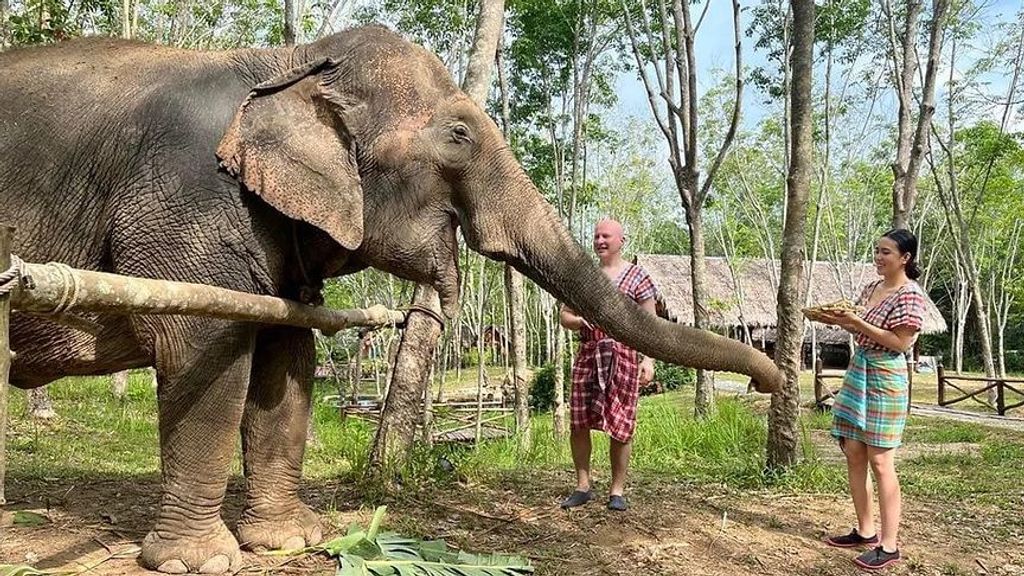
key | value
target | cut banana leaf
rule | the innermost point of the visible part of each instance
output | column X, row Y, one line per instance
column 20, row 570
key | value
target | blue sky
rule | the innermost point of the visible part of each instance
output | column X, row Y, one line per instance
column 715, row 51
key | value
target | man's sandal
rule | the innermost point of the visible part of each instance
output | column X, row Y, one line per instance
column 617, row 503
column 577, row 498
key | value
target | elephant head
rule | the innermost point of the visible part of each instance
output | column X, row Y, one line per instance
column 373, row 143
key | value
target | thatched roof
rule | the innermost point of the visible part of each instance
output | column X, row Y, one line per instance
column 755, row 304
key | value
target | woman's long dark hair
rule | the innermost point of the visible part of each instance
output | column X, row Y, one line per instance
column 907, row 244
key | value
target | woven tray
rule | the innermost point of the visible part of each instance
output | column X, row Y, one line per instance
column 819, row 313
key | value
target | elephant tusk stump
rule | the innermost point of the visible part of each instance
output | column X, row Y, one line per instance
column 59, row 289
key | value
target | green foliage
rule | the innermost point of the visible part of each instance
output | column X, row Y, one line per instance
column 470, row 358
column 46, row 21
column 542, row 389
column 370, row 552
column 673, row 377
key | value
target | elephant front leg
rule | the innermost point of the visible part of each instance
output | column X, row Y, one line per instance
column 274, row 440
column 202, row 376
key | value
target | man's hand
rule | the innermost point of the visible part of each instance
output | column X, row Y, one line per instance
column 646, row 371
column 568, row 318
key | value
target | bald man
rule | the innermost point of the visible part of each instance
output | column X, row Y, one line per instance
column 607, row 375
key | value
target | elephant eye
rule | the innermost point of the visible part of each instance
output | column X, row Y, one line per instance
column 460, row 133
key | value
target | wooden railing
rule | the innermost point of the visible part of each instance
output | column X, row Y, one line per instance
column 453, row 421
column 1000, row 385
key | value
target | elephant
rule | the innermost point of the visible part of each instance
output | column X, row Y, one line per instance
column 268, row 171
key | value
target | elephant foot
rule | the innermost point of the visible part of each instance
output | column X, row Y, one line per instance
column 213, row 552
column 288, row 531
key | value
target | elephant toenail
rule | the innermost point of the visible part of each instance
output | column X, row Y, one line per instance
column 316, row 536
column 216, row 565
column 173, row 567
column 294, row 543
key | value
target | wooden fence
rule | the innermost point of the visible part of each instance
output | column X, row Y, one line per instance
column 451, row 421
column 1000, row 385
column 958, row 382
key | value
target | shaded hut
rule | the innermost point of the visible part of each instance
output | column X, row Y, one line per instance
column 742, row 299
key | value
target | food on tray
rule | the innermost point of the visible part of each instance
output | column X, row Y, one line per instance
column 818, row 312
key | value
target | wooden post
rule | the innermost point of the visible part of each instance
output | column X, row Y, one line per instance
column 818, row 384
column 1000, row 398
column 6, row 241
column 428, row 409
column 59, row 289
column 942, row 383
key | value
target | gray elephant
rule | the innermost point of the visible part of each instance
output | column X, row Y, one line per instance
column 357, row 150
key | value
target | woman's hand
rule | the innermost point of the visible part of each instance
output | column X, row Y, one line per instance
column 845, row 320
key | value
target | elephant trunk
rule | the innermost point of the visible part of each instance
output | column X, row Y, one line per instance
column 543, row 250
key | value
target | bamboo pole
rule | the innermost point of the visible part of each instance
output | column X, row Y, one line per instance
column 58, row 289
column 6, row 239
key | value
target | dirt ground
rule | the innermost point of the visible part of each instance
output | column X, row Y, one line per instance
column 671, row 529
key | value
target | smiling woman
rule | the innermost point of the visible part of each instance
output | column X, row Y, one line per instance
column 871, row 407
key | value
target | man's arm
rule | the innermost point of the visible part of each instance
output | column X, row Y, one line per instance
column 569, row 320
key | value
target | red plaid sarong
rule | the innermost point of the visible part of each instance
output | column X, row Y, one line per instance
column 605, row 376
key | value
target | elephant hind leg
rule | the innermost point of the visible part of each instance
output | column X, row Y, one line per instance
column 273, row 442
column 203, row 369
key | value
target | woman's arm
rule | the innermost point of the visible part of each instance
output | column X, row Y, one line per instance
column 899, row 338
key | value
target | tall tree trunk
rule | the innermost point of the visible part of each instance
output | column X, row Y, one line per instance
column 289, row 22
column 959, row 226
column 785, row 405
column 515, row 297
column 5, row 8
column 120, row 383
column 6, row 243
column 704, row 399
column 514, row 285
column 126, row 19
column 910, row 156
column 560, row 425
column 40, row 406
column 676, row 114
column 410, row 378
column 481, row 360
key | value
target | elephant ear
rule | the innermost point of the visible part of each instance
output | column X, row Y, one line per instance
column 290, row 147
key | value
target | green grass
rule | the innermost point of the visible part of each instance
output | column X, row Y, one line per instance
column 98, row 436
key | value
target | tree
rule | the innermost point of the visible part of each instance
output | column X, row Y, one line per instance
column 515, row 293
column 785, row 404
column 560, row 63
column 963, row 175
column 673, row 59
column 411, row 374
column 289, row 22
column 912, row 147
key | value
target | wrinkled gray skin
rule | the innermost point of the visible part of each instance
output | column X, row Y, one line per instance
column 354, row 151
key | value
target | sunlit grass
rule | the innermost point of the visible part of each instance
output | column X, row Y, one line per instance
column 97, row 435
